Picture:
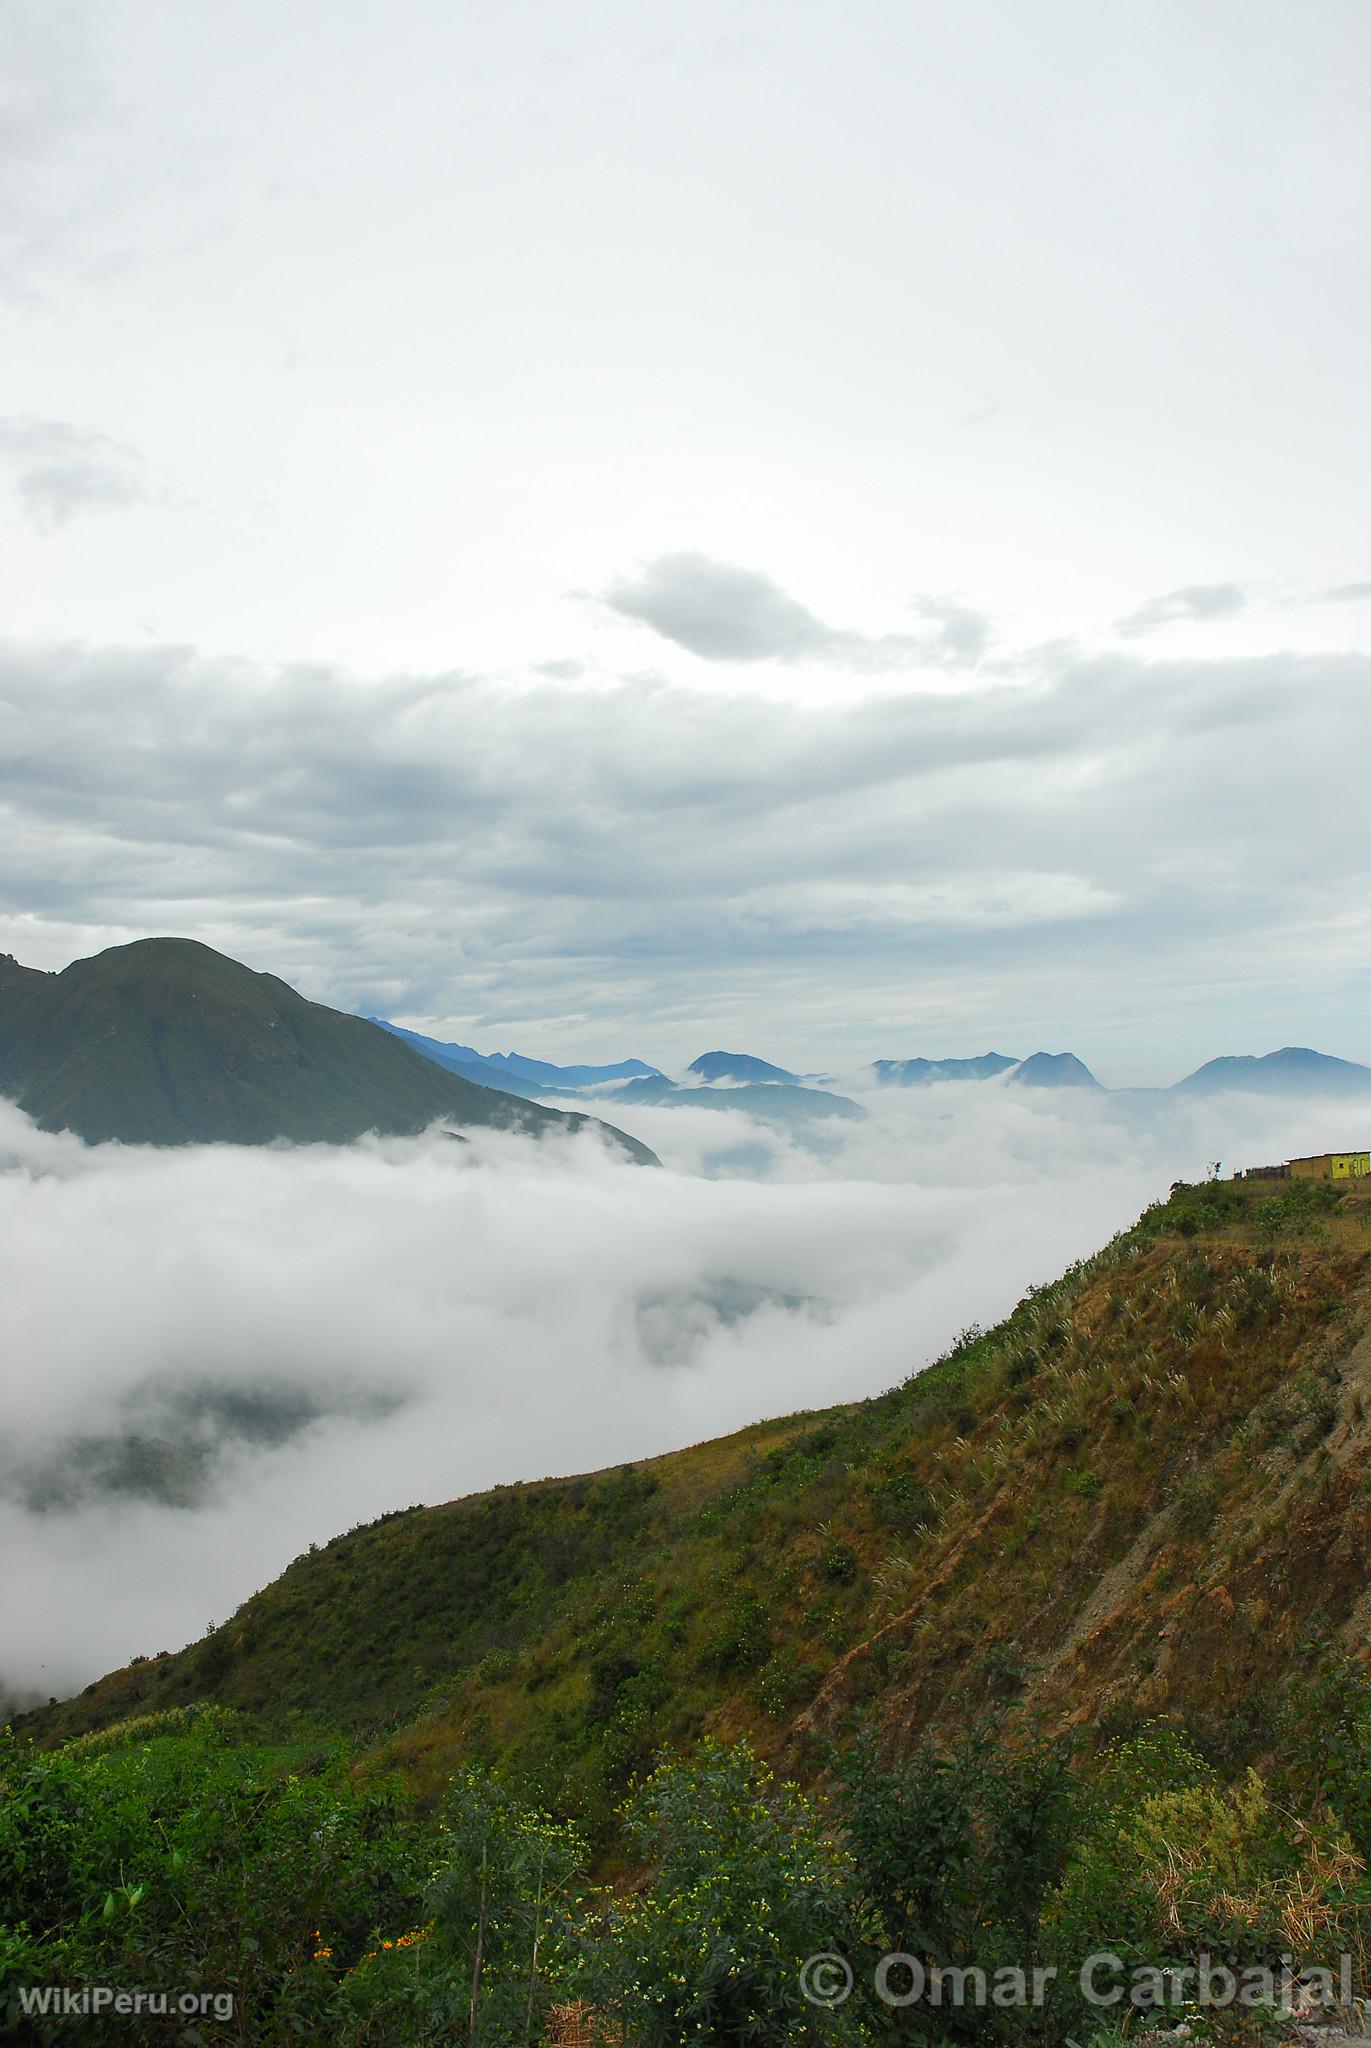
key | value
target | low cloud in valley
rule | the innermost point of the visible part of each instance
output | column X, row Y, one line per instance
column 221, row 1355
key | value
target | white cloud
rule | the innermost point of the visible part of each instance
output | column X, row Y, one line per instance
column 1195, row 604
column 59, row 472
column 453, row 1317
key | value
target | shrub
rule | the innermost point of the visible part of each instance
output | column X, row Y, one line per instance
column 839, row 1563
column 745, row 1887
column 955, row 1849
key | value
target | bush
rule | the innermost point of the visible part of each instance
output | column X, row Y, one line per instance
column 198, row 1858
column 745, row 1888
column 1173, row 1863
column 741, row 1639
column 839, row 1563
column 955, row 1850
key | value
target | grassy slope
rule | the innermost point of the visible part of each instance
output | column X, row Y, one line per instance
column 1147, row 1492
column 168, row 1042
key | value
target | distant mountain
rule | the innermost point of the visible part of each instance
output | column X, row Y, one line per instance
column 512, row 1071
column 922, row 1073
column 737, row 1066
column 778, row 1102
column 1294, row 1070
column 568, row 1077
column 1053, row 1070
column 459, row 1059
column 166, row 1042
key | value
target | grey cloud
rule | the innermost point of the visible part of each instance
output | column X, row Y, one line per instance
column 1198, row 603
column 1346, row 593
column 59, row 472
column 720, row 612
column 963, row 635
column 724, row 613
column 568, row 868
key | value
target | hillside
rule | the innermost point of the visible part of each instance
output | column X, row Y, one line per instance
column 1147, row 1493
column 167, row 1042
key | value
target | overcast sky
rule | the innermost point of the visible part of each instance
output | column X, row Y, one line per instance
column 618, row 529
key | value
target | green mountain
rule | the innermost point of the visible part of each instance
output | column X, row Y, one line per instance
column 1146, row 1494
column 167, row 1042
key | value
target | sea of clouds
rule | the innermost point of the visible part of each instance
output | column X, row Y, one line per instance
column 418, row 1319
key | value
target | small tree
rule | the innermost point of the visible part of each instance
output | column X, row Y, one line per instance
column 483, row 1968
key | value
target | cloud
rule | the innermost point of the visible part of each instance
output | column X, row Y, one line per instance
column 1196, row 603
column 1346, row 593
column 1127, row 849
column 94, row 188
column 60, row 472
column 422, row 1319
column 720, row 612
column 723, row 613
column 963, row 635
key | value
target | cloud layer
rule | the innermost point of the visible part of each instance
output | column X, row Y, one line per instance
column 329, row 1334
column 1131, row 859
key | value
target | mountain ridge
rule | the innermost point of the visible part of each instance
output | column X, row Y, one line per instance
column 1292, row 1070
column 515, row 1072
column 166, row 1041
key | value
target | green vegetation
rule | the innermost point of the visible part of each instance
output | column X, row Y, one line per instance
column 307, row 1902
column 166, row 1042
column 1056, row 1647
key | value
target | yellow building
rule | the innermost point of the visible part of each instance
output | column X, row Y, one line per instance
column 1332, row 1166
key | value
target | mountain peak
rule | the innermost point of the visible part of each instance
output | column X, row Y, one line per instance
column 738, row 1066
column 1293, row 1070
column 165, row 1041
column 1053, row 1070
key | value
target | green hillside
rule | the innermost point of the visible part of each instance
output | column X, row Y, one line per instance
column 1145, row 1493
column 1064, row 1642
column 166, row 1042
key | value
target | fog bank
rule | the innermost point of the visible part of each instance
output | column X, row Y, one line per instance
column 299, row 1339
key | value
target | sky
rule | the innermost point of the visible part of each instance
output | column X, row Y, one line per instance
column 839, row 533
column 440, row 1318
